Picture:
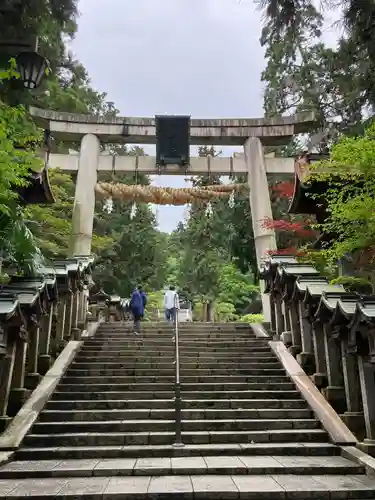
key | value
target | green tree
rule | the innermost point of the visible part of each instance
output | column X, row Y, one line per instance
column 18, row 140
column 304, row 74
column 350, row 199
column 236, row 288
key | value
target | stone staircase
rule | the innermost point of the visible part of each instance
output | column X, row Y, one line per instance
column 108, row 430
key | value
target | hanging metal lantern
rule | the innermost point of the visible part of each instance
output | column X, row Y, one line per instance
column 32, row 67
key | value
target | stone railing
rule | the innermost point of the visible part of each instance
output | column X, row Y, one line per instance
column 38, row 317
column 331, row 333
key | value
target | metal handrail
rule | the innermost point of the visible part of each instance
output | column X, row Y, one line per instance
column 177, row 386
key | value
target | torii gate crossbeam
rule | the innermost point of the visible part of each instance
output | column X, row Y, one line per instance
column 146, row 165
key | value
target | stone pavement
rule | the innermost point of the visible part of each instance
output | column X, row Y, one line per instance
column 279, row 486
column 108, row 430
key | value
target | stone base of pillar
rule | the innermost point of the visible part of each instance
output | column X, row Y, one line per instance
column 82, row 326
column 368, row 446
column 76, row 334
column 356, row 423
column 44, row 363
column 307, row 362
column 319, row 379
column 294, row 350
column 17, row 399
column 32, row 380
column 335, row 396
column 286, row 337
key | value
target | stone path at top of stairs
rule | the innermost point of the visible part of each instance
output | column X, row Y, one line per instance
column 108, row 430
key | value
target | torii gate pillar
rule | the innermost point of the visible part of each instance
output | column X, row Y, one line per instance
column 260, row 203
column 84, row 198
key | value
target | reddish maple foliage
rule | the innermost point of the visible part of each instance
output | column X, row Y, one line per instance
column 284, row 189
column 292, row 227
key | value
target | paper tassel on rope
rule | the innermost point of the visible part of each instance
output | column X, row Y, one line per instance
column 231, row 201
column 133, row 211
column 209, row 212
column 108, row 205
column 166, row 195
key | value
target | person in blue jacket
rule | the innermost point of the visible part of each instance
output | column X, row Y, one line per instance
column 137, row 309
column 144, row 298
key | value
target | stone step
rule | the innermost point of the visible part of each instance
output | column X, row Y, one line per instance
column 167, row 337
column 164, row 437
column 197, row 487
column 191, row 343
column 191, row 326
column 200, row 404
column 270, row 367
column 189, row 450
column 71, row 396
column 145, row 341
column 207, row 339
column 208, row 376
column 86, row 379
column 194, row 358
column 188, row 326
column 183, row 327
column 165, row 357
column 186, row 384
column 190, row 352
column 105, row 346
column 206, row 364
column 137, row 350
column 183, row 333
column 146, row 384
column 188, row 339
column 162, row 466
column 124, row 369
column 183, row 330
column 169, row 414
column 162, row 425
column 167, row 340
column 183, row 336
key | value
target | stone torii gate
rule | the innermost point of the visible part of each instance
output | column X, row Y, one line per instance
column 252, row 134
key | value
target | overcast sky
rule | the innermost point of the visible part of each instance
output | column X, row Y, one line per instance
column 195, row 57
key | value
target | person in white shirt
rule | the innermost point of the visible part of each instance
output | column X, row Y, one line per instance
column 170, row 303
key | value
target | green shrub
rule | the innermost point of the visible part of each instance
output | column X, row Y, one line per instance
column 251, row 318
column 353, row 284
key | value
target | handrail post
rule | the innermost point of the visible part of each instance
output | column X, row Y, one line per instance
column 177, row 387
